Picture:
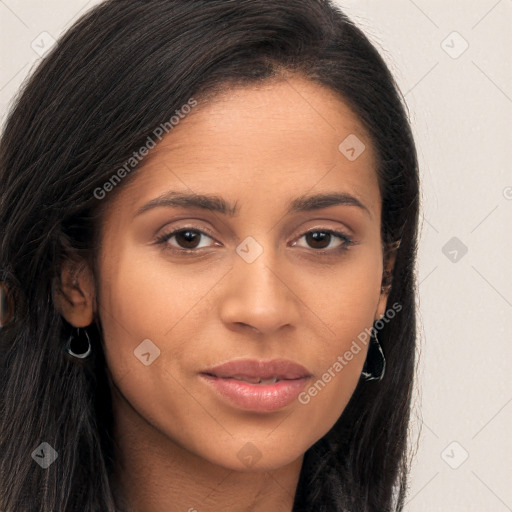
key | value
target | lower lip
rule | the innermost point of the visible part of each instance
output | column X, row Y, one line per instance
column 257, row 397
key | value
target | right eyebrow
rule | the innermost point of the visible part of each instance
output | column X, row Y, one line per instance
column 186, row 200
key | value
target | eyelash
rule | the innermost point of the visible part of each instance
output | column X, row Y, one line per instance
column 347, row 241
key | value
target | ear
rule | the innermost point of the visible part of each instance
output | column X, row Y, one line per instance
column 390, row 252
column 74, row 294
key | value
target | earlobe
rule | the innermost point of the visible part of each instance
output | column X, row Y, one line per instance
column 73, row 295
column 385, row 289
column 381, row 308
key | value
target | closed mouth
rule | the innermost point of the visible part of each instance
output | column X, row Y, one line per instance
column 252, row 380
column 259, row 372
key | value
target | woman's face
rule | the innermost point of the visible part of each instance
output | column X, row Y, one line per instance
column 184, row 288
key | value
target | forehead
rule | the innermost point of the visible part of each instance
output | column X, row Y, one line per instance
column 268, row 141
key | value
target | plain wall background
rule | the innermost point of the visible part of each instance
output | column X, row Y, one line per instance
column 452, row 62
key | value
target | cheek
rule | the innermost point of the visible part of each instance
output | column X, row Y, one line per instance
column 345, row 296
column 340, row 304
column 145, row 296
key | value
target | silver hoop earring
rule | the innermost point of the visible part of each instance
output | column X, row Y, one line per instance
column 375, row 364
column 78, row 346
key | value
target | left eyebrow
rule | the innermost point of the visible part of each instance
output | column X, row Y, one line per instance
column 216, row 203
column 318, row 201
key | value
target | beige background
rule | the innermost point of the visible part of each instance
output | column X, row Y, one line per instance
column 460, row 100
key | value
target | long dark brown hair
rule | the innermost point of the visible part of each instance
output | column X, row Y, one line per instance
column 123, row 69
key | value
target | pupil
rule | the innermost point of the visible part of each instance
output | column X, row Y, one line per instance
column 189, row 238
column 319, row 236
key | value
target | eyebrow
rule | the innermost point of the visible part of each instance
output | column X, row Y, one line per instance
column 217, row 204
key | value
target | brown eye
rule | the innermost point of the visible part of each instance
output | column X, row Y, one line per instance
column 186, row 239
column 321, row 239
column 318, row 239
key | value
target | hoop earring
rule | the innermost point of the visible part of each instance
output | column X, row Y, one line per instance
column 78, row 341
column 375, row 364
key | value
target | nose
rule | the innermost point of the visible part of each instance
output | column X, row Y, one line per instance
column 259, row 296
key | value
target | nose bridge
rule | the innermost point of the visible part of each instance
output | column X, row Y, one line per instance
column 257, row 293
column 259, row 283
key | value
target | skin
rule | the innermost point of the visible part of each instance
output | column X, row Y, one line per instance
column 259, row 147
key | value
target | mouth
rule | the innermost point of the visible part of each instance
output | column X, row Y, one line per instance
column 259, row 372
column 251, row 380
column 260, row 386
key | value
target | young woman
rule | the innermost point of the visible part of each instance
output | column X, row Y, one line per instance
column 209, row 216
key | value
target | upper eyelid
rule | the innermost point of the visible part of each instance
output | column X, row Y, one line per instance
column 173, row 232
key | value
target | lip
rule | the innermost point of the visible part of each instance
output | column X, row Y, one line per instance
column 226, row 381
column 252, row 368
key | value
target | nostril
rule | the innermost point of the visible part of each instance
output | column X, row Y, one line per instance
column 250, row 326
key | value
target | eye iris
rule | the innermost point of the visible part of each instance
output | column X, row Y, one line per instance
column 191, row 238
column 318, row 236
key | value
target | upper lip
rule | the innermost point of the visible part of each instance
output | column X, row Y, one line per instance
column 251, row 368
